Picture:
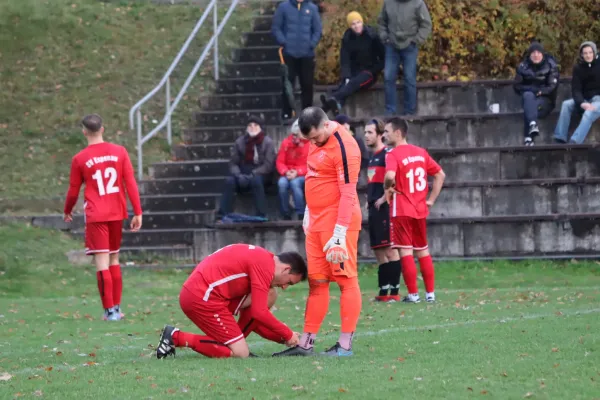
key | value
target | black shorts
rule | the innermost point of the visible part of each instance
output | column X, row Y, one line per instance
column 379, row 226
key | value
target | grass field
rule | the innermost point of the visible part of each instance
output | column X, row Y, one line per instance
column 62, row 59
column 498, row 330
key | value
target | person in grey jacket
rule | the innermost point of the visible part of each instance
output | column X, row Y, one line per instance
column 403, row 26
column 297, row 29
column 251, row 166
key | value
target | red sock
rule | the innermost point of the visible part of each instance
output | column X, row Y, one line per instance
column 204, row 345
column 428, row 273
column 105, row 287
column 248, row 325
column 117, row 281
column 409, row 273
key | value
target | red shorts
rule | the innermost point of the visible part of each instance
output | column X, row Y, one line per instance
column 408, row 233
column 103, row 237
column 214, row 318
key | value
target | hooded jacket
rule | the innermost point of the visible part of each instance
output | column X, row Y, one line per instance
column 403, row 22
column 363, row 52
column 297, row 28
column 586, row 77
column 542, row 77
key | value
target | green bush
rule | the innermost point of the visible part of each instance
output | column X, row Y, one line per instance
column 474, row 39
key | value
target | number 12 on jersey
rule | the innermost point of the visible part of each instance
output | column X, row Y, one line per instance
column 109, row 173
column 419, row 175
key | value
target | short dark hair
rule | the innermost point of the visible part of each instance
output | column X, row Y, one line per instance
column 311, row 117
column 92, row 123
column 296, row 262
column 398, row 124
column 379, row 125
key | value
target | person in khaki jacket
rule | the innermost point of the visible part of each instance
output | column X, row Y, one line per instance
column 403, row 26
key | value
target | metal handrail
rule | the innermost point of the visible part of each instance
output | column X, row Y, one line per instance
column 135, row 111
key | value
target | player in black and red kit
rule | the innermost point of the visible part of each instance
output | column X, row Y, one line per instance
column 237, row 279
column 106, row 171
column 379, row 216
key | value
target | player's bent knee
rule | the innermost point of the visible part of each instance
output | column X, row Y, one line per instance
column 239, row 349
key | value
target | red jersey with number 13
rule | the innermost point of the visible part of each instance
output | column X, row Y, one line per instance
column 106, row 170
column 412, row 165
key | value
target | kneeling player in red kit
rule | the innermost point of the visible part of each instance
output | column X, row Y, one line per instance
column 106, row 171
column 407, row 168
column 237, row 279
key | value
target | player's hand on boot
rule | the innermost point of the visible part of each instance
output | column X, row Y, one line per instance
column 335, row 250
column 136, row 223
column 294, row 340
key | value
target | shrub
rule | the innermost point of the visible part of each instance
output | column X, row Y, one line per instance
column 474, row 38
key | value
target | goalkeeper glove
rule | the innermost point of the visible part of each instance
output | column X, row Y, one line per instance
column 335, row 250
column 305, row 221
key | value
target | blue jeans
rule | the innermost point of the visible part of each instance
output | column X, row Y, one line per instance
column 562, row 127
column 534, row 108
column 244, row 183
column 297, row 187
column 408, row 58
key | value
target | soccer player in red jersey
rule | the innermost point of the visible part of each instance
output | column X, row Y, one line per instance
column 106, row 171
column 238, row 278
column 407, row 168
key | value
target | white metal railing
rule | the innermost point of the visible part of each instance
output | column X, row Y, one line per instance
column 135, row 113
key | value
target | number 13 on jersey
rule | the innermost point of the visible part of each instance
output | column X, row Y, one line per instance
column 417, row 174
column 110, row 174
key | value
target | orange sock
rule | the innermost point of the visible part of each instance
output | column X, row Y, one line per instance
column 316, row 306
column 350, row 302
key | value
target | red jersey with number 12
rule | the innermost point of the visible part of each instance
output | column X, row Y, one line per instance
column 106, row 170
column 412, row 165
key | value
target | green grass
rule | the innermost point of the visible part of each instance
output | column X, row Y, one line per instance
column 499, row 330
column 62, row 59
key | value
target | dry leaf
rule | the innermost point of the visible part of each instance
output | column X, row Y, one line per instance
column 92, row 354
column 528, row 395
column 555, row 349
column 49, row 368
column 38, row 393
column 342, row 390
column 401, row 359
column 153, row 386
column 504, row 374
column 5, row 376
column 470, row 389
column 484, row 392
column 294, row 387
column 555, row 365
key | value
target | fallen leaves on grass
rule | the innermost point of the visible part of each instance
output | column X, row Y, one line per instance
column 5, row 376
column 401, row 359
column 49, row 369
column 555, row 350
column 484, row 392
column 528, row 395
column 342, row 390
column 295, row 387
column 504, row 374
column 38, row 393
column 470, row 389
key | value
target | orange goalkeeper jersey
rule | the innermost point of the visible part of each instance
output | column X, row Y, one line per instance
column 330, row 186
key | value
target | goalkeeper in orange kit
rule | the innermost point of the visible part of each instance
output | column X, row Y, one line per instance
column 332, row 222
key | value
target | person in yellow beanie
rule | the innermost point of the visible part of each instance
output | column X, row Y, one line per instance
column 362, row 57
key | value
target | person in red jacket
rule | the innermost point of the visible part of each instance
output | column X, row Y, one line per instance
column 106, row 171
column 291, row 165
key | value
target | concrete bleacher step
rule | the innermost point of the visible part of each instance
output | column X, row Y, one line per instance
column 256, row 53
column 202, row 151
column 249, row 85
column 178, row 219
column 207, row 184
column 236, row 117
column 460, row 164
column 520, row 235
column 241, row 101
column 257, row 69
column 176, row 202
column 443, row 98
column 193, row 168
column 224, row 134
column 259, row 39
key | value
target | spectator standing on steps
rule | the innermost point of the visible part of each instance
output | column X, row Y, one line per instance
column 403, row 26
column 292, row 166
column 362, row 58
column 297, row 29
column 585, row 86
column 537, row 84
column 251, row 166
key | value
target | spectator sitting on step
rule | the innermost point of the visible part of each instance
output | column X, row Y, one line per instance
column 537, row 83
column 297, row 29
column 291, row 165
column 363, row 180
column 251, row 167
column 585, row 87
column 361, row 59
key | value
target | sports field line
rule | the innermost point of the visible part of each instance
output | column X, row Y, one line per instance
column 381, row 332
column 53, row 300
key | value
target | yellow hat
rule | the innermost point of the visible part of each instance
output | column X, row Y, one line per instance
column 353, row 16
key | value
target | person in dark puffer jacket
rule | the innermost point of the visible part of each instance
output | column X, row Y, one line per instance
column 585, row 87
column 297, row 28
column 537, row 83
column 362, row 57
